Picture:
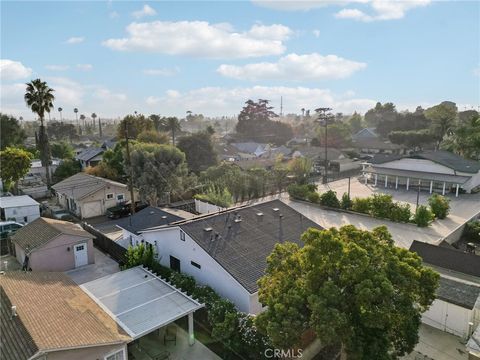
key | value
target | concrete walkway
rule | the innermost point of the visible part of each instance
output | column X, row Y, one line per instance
column 104, row 265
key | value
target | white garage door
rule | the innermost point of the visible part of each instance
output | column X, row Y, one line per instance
column 91, row 209
column 448, row 317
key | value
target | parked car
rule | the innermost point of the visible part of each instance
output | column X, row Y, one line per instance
column 8, row 227
column 124, row 209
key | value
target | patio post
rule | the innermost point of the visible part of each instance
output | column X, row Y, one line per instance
column 456, row 191
column 366, row 178
column 431, row 186
column 386, row 180
column 376, row 176
column 443, row 190
column 191, row 336
column 396, row 182
column 408, row 182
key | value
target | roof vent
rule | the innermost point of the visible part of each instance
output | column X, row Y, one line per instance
column 207, row 229
column 259, row 214
column 164, row 216
column 14, row 311
column 152, row 212
column 276, row 209
column 238, row 219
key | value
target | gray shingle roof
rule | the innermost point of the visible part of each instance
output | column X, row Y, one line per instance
column 43, row 230
column 458, row 293
column 147, row 218
column 242, row 247
column 81, row 185
column 450, row 259
column 89, row 153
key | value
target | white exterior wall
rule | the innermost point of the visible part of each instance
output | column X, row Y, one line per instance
column 417, row 165
column 18, row 214
column 203, row 207
column 448, row 317
column 472, row 183
column 211, row 273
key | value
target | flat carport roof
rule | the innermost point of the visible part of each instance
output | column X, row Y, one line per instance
column 139, row 301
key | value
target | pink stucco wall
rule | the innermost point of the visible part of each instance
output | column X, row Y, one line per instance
column 54, row 256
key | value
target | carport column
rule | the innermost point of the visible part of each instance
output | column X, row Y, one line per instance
column 376, row 176
column 408, row 182
column 431, row 186
column 456, row 191
column 366, row 178
column 386, row 180
column 396, row 182
column 443, row 190
column 191, row 336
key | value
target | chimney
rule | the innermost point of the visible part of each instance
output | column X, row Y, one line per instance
column 276, row 211
column 260, row 216
column 14, row 312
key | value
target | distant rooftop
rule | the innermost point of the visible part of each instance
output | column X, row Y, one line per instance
column 147, row 218
column 17, row 201
column 458, row 293
column 81, row 185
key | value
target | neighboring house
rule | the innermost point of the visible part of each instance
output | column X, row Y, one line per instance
column 252, row 148
column 90, row 156
column 53, row 245
column 376, row 146
column 34, row 186
column 22, row 209
column 440, row 170
column 365, row 133
column 87, row 196
column 36, row 168
column 456, row 309
column 228, row 250
column 47, row 316
column 109, row 144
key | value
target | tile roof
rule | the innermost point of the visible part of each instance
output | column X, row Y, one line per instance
column 15, row 342
column 81, row 185
column 450, row 259
column 42, row 230
column 89, row 153
column 56, row 313
column 242, row 247
column 147, row 218
column 17, row 201
column 458, row 293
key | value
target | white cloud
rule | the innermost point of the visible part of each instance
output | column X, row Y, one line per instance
column 75, row 40
column 13, row 70
column 113, row 15
column 295, row 68
column 145, row 11
column 202, row 39
column 381, row 9
column 105, row 94
column 161, row 72
column 67, row 91
column 57, row 67
column 316, row 33
column 218, row 101
column 84, row 67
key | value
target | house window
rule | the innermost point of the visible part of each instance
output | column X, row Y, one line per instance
column 118, row 355
column 182, row 235
column 198, row 266
column 120, row 197
column 109, row 196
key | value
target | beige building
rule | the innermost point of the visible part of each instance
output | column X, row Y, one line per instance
column 87, row 196
column 47, row 316
column 53, row 245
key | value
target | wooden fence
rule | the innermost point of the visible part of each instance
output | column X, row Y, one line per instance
column 116, row 251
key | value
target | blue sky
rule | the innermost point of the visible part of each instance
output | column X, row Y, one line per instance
column 115, row 57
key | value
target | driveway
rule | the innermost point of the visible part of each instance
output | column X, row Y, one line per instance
column 104, row 265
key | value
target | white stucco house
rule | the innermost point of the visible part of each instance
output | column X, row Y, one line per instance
column 440, row 171
column 22, row 209
column 228, row 250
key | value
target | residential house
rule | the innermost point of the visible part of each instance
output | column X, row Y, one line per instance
column 441, row 171
column 90, row 156
column 53, row 245
column 337, row 160
column 228, row 250
column 252, row 148
column 365, row 133
column 87, row 196
column 456, row 308
column 36, row 168
column 47, row 316
column 22, row 209
column 367, row 141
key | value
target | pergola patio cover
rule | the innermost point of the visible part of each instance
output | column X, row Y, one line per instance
column 139, row 301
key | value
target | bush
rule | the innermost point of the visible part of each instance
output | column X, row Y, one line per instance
column 400, row 213
column 301, row 192
column 330, row 199
column 472, row 230
column 361, row 205
column 381, row 205
column 440, row 205
column 346, row 202
column 423, row 216
column 313, row 197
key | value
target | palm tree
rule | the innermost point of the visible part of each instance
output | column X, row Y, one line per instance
column 60, row 111
column 93, row 116
column 82, row 119
column 171, row 124
column 39, row 98
column 75, row 110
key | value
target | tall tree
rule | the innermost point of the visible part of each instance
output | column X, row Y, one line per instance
column 75, row 110
column 60, row 112
column 355, row 122
column 465, row 139
column 135, row 124
column 301, row 168
column 170, row 124
column 93, row 116
column 11, row 134
column 61, row 131
column 351, row 287
column 199, row 151
column 82, row 121
column 39, row 98
column 443, row 118
column 15, row 165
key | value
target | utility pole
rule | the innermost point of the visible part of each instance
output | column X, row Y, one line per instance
column 323, row 116
column 281, row 105
column 132, row 195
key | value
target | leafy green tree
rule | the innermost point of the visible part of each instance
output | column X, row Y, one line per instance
column 355, row 122
column 465, row 139
column 362, row 205
column 300, row 168
column 440, row 205
column 61, row 131
column 220, row 197
column 382, row 116
column 351, row 287
column 414, row 139
column 423, row 216
column 199, row 151
column 135, row 124
column 62, row 150
column 39, row 98
column 152, row 136
column 443, row 120
column 346, row 202
column 338, row 135
column 11, row 134
column 170, row 124
column 15, row 164
column 255, row 124
column 66, row 169
column 330, row 199
column 141, row 254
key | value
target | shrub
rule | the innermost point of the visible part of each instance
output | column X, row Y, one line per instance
column 440, row 205
column 400, row 212
column 423, row 216
column 381, row 205
column 472, row 230
column 301, row 191
column 313, row 197
column 346, row 202
column 361, row 205
column 330, row 199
